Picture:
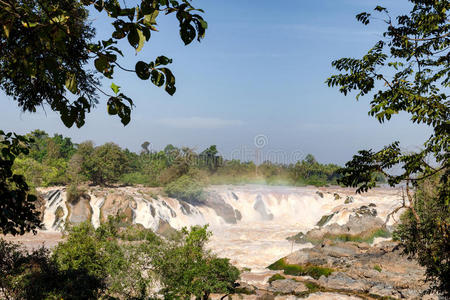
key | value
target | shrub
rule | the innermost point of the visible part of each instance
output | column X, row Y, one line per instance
column 186, row 268
column 135, row 178
column 429, row 240
column 34, row 275
column 186, row 188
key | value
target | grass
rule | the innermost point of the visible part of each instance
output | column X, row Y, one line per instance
column 276, row 277
column 312, row 287
column 377, row 268
column 367, row 237
column 300, row 270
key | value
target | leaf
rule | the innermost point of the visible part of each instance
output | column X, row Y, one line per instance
column 380, row 8
column 133, row 37
column 101, row 63
column 142, row 40
column 142, row 71
column 115, row 88
column 71, row 83
column 162, row 60
column 157, row 78
column 7, row 29
column 187, row 33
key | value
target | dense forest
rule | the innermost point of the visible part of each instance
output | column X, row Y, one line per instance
column 58, row 160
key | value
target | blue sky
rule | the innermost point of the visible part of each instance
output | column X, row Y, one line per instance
column 260, row 71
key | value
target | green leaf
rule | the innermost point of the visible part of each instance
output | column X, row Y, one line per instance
column 157, row 78
column 101, row 63
column 142, row 40
column 162, row 60
column 142, row 70
column 115, row 88
column 71, row 83
column 133, row 37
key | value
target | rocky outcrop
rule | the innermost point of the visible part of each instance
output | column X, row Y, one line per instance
column 360, row 269
column 287, row 286
column 362, row 226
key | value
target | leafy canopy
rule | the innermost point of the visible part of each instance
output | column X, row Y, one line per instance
column 408, row 72
column 46, row 46
column 45, row 50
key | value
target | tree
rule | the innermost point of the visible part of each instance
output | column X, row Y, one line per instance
column 45, row 50
column 408, row 71
column 144, row 147
column 17, row 209
column 185, row 268
column 105, row 164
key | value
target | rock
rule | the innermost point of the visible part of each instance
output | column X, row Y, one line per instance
column 245, row 288
column 222, row 209
column 325, row 219
column 357, row 272
column 342, row 281
column 348, row 200
column 331, row 296
column 80, row 210
column 320, row 194
column 384, row 290
column 260, row 207
column 359, row 228
column 365, row 211
column 336, row 196
column 288, row 286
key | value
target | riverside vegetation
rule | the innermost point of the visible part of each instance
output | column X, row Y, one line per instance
column 117, row 261
column 184, row 173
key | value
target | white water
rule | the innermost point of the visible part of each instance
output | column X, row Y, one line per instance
column 268, row 215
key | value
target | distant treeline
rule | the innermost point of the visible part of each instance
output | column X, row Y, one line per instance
column 58, row 161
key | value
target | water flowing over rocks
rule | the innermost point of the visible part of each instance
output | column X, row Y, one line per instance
column 257, row 225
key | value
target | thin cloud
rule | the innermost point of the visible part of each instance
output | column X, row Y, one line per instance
column 199, row 123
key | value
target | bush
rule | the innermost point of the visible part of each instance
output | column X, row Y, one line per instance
column 186, row 268
column 186, row 188
column 35, row 275
column 135, row 178
column 429, row 240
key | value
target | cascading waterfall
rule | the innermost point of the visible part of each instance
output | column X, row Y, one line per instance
column 249, row 223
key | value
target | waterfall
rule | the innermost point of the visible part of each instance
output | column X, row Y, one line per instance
column 249, row 223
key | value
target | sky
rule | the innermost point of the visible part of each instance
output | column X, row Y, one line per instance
column 254, row 86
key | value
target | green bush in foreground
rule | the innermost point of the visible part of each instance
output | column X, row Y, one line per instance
column 298, row 270
column 116, row 261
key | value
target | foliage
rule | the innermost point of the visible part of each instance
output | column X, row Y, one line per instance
column 429, row 240
column 45, row 52
column 408, row 72
column 17, row 209
column 186, row 188
column 298, row 270
column 46, row 47
column 34, row 275
column 106, row 164
column 98, row 253
column 185, row 268
column 275, row 277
